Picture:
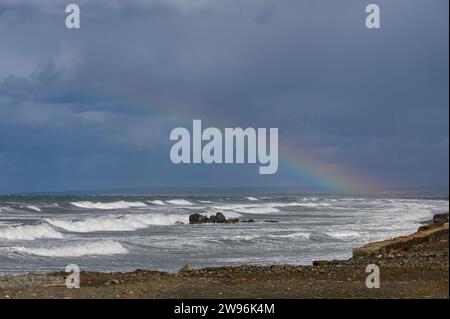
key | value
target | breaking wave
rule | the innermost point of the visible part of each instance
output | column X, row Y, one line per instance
column 180, row 202
column 248, row 209
column 29, row 232
column 343, row 234
column 116, row 223
column 257, row 210
column 101, row 247
column 35, row 208
column 265, row 208
column 240, row 238
column 113, row 205
column 292, row 235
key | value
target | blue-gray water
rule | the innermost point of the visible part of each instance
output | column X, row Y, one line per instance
column 46, row 233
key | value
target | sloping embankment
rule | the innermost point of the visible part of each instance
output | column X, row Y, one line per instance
column 434, row 237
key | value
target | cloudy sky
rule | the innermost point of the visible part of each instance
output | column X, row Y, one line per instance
column 93, row 108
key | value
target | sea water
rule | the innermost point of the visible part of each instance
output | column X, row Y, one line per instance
column 124, row 233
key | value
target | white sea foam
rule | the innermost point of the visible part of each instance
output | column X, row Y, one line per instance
column 314, row 204
column 257, row 210
column 291, row 235
column 292, row 204
column 35, row 208
column 180, row 202
column 264, row 208
column 116, row 223
column 231, row 214
column 309, row 199
column 28, row 232
column 240, row 238
column 9, row 209
column 113, row 205
column 343, row 234
column 157, row 202
column 101, row 247
column 253, row 199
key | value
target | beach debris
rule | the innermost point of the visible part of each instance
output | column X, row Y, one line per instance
column 112, row 282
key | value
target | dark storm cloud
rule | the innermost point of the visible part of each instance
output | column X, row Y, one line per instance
column 93, row 107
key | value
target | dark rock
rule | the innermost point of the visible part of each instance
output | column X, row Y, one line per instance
column 440, row 217
column 220, row 218
column 321, row 262
column 197, row 219
column 248, row 221
column 271, row 221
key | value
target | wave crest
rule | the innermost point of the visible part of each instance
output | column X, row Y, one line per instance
column 101, row 247
column 29, row 232
column 180, row 202
column 113, row 205
column 116, row 223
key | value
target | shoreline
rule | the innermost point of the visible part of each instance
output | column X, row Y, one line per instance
column 412, row 266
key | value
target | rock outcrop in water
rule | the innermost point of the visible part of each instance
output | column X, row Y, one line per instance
column 217, row 218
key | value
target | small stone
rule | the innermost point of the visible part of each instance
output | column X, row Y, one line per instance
column 321, row 262
column 186, row 268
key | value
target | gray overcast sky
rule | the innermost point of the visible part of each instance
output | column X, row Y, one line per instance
column 93, row 108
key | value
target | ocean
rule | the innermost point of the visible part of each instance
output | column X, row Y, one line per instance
column 124, row 233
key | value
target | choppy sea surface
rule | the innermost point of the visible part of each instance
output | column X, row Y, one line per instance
column 123, row 233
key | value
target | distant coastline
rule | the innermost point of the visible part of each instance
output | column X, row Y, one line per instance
column 435, row 192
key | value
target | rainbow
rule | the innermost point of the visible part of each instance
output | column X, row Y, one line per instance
column 299, row 167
